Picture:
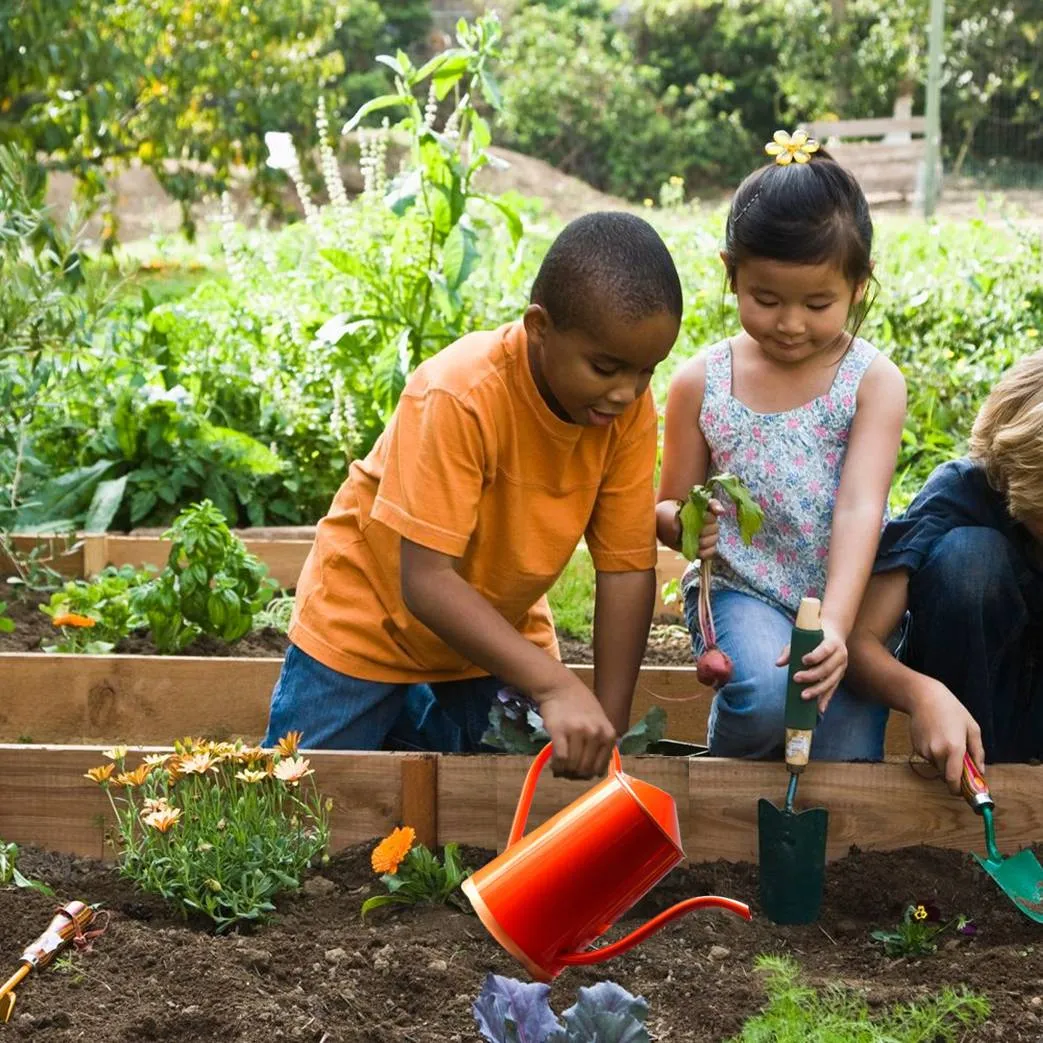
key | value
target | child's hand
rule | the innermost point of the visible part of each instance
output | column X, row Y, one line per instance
column 579, row 729
column 942, row 729
column 708, row 536
column 823, row 667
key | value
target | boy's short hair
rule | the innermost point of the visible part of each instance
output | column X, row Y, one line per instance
column 607, row 264
column 1007, row 437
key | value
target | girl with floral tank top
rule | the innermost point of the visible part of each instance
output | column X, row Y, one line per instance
column 809, row 416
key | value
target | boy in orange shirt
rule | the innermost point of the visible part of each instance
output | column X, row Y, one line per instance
column 425, row 590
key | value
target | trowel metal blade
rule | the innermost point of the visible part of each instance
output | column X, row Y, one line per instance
column 792, row 846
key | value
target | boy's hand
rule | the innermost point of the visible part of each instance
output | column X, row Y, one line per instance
column 823, row 667
column 580, row 731
column 942, row 730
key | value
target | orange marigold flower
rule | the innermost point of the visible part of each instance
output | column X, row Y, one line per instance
column 288, row 744
column 163, row 819
column 72, row 619
column 388, row 854
column 100, row 775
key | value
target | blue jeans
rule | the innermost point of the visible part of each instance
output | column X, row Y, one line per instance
column 336, row 712
column 976, row 625
column 747, row 718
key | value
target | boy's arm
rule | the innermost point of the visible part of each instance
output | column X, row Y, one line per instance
column 940, row 726
column 857, row 515
column 623, row 608
column 581, row 733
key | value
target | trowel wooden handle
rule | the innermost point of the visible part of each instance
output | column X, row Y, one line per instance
column 801, row 713
column 68, row 922
column 973, row 786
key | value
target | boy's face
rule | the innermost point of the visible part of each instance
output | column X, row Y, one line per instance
column 588, row 378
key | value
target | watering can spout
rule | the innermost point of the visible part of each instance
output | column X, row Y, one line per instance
column 607, row 952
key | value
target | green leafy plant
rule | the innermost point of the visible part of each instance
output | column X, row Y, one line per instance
column 211, row 584
column 714, row 667
column 917, row 932
column 797, row 1013
column 508, row 1011
column 217, row 829
column 516, row 726
column 276, row 614
column 413, row 874
column 9, row 872
column 571, row 598
column 92, row 616
column 6, row 622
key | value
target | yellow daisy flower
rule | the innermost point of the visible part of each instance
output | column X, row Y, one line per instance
column 787, row 149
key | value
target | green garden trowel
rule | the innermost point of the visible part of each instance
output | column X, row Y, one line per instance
column 793, row 843
column 1020, row 876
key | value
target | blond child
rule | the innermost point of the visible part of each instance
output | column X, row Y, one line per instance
column 966, row 563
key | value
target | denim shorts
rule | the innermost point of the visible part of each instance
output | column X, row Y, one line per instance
column 334, row 711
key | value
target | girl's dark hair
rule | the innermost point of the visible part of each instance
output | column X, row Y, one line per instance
column 802, row 213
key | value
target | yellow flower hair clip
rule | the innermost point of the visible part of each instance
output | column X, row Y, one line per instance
column 796, row 149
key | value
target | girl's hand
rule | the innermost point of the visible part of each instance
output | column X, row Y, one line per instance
column 823, row 667
column 708, row 536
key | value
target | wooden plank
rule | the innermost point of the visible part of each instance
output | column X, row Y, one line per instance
column 478, row 795
column 865, row 128
column 876, row 806
column 420, row 796
column 153, row 699
column 135, row 699
column 283, row 557
column 47, row 802
column 63, row 553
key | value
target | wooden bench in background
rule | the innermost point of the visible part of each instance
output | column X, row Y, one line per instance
column 887, row 156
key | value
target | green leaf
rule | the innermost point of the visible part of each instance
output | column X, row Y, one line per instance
column 344, row 262
column 514, row 222
column 64, row 496
column 377, row 901
column 256, row 457
column 6, row 624
column 491, row 90
column 24, row 881
column 385, row 101
column 693, row 513
column 389, row 372
column 459, row 256
column 651, row 728
column 106, row 502
column 435, row 63
column 751, row 517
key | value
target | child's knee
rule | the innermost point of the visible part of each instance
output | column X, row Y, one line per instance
column 748, row 716
column 968, row 568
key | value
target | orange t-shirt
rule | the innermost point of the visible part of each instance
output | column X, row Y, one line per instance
column 475, row 465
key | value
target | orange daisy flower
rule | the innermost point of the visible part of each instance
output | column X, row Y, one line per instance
column 102, row 774
column 288, row 744
column 135, row 777
column 163, row 819
column 388, row 854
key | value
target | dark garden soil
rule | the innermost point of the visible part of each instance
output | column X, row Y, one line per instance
column 668, row 645
column 319, row 973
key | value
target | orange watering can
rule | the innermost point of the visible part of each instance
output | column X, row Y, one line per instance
column 551, row 893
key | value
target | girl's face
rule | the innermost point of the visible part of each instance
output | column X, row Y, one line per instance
column 794, row 311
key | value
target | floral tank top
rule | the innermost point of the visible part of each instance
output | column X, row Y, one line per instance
column 791, row 463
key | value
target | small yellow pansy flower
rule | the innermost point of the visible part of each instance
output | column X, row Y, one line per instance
column 920, row 913
column 787, row 149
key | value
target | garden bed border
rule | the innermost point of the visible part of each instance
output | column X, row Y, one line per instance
column 471, row 800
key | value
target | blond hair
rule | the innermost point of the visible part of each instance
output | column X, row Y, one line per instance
column 1007, row 437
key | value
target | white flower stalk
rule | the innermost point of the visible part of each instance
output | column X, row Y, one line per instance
column 234, row 259
column 330, row 167
column 283, row 156
column 431, row 108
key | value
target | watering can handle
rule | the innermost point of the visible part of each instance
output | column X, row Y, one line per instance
column 521, row 814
